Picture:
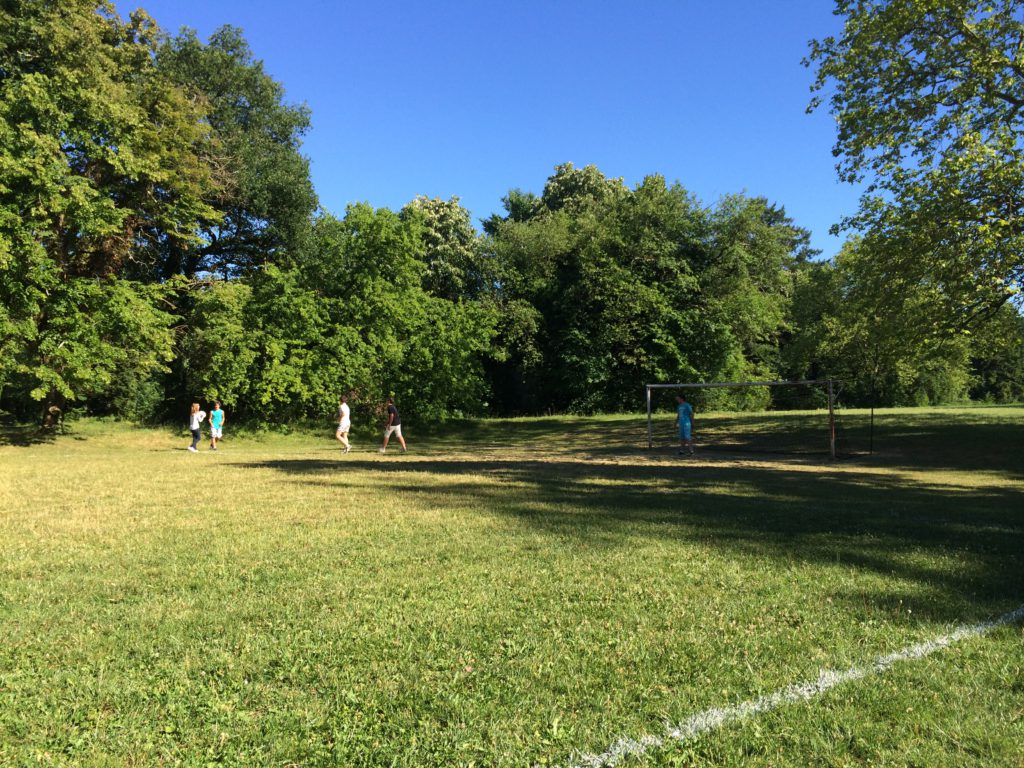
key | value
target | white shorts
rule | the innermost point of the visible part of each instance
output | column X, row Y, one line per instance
column 217, row 432
column 394, row 429
column 344, row 426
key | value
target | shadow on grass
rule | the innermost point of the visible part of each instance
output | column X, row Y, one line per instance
column 25, row 436
column 963, row 545
column 957, row 440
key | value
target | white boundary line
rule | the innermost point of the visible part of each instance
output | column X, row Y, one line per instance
column 714, row 718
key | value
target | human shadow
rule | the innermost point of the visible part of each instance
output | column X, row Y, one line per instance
column 963, row 545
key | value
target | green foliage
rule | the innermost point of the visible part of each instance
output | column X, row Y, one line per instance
column 632, row 286
column 928, row 99
column 160, row 243
column 850, row 325
column 454, row 267
column 101, row 161
column 266, row 196
column 90, row 337
column 997, row 358
column 218, row 350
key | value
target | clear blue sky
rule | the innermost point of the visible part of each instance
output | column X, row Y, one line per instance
column 474, row 98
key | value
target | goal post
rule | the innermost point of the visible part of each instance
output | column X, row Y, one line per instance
column 829, row 384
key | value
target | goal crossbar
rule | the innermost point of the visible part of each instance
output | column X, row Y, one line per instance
column 720, row 384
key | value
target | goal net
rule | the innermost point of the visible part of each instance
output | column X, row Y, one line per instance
column 794, row 417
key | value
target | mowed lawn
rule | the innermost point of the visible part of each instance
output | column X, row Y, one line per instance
column 511, row 593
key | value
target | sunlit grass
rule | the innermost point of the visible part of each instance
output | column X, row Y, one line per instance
column 508, row 593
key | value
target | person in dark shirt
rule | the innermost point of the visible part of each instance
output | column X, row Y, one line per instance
column 393, row 425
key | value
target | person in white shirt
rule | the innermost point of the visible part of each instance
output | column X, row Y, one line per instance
column 195, row 419
column 344, row 423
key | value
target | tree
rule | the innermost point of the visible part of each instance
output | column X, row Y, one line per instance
column 266, row 195
column 454, row 268
column 997, row 358
column 928, row 97
column 848, row 324
column 102, row 161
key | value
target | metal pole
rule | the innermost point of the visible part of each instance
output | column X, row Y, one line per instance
column 650, row 441
column 831, row 420
column 871, row 431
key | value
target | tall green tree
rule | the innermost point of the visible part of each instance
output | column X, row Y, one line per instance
column 265, row 196
column 928, row 97
column 102, row 160
column 455, row 269
column 848, row 324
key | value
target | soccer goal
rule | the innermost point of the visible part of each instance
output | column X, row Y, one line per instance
column 811, row 403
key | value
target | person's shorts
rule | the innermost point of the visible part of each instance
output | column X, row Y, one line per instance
column 344, row 426
column 684, row 431
column 217, row 432
column 395, row 429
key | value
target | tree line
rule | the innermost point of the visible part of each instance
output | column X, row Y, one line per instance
column 161, row 242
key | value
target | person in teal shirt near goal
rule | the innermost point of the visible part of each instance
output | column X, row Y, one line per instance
column 684, row 418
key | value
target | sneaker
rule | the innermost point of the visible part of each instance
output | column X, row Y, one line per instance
column 193, row 449
column 348, row 448
column 381, row 450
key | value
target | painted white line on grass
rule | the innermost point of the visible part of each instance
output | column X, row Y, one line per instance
column 711, row 719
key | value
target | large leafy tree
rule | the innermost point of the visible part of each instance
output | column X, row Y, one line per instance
column 266, row 195
column 847, row 323
column 103, row 160
column 929, row 99
column 455, row 269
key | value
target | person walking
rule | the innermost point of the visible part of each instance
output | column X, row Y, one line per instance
column 344, row 423
column 684, row 419
column 216, row 425
column 195, row 418
column 393, row 426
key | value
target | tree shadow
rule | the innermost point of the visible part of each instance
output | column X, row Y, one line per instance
column 976, row 439
column 962, row 546
column 26, row 436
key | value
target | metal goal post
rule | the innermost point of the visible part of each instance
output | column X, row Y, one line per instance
column 697, row 385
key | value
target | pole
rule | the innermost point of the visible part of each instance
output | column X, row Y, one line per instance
column 871, row 431
column 831, row 420
column 650, row 440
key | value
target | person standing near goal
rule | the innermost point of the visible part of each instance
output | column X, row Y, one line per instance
column 344, row 423
column 393, row 425
column 684, row 419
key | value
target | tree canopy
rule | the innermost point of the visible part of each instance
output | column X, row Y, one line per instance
column 161, row 243
column 928, row 98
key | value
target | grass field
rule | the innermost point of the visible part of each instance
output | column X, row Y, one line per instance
column 512, row 593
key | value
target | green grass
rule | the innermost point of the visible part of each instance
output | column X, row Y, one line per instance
column 508, row 593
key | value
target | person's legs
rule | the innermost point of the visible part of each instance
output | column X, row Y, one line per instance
column 398, row 432
column 387, row 437
column 196, row 437
column 685, row 443
column 343, row 436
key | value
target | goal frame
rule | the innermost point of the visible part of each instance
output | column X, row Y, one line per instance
column 830, row 384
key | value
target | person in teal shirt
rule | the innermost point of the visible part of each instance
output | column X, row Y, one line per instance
column 216, row 425
column 684, row 419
